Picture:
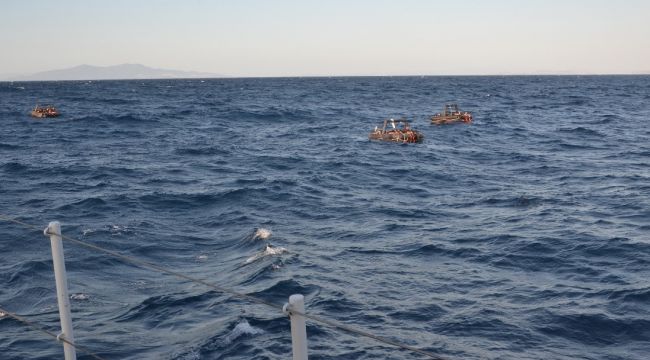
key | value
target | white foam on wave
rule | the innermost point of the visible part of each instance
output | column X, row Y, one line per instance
column 79, row 296
column 117, row 230
column 243, row 328
column 262, row 233
column 193, row 354
column 268, row 251
column 87, row 231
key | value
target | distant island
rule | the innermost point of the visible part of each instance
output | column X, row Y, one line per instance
column 116, row 72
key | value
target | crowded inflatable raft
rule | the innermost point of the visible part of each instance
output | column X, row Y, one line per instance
column 396, row 131
column 44, row 112
column 451, row 114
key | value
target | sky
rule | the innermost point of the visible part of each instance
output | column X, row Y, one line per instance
column 329, row 37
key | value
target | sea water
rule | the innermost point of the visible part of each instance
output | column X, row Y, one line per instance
column 525, row 235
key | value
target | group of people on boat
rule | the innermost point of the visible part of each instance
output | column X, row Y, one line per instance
column 45, row 111
column 451, row 114
column 396, row 131
column 464, row 116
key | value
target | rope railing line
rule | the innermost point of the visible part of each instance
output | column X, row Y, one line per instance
column 368, row 335
column 49, row 333
column 151, row 266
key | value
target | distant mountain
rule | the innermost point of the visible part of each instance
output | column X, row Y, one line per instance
column 116, row 72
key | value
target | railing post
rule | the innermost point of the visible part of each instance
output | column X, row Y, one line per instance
column 298, row 326
column 53, row 230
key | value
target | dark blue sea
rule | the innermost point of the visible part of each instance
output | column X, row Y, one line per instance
column 525, row 235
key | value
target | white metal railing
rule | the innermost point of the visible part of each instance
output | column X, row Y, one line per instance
column 295, row 308
column 53, row 230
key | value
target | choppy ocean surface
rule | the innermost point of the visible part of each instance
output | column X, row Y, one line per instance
column 525, row 235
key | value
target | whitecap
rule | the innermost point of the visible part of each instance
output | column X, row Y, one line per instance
column 268, row 250
column 193, row 354
column 202, row 257
column 262, row 233
column 243, row 328
column 87, row 231
column 140, row 284
column 79, row 296
column 118, row 229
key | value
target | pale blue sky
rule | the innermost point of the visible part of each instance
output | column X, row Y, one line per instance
column 329, row 37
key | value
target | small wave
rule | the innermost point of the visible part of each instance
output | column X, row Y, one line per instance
column 249, row 182
column 158, row 200
column 79, row 297
column 116, row 101
column 163, row 306
column 421, row 313
column 432, row 249
column 576, row 100
column 170, row 200
column 532, row 262
column 488, row 324
column 270, row 113
column 641, row 296
column 13, row 167
column 278, row 292
column 522, row 201
column 193, row 354
column 269, row 250
column 582, row 131
column 243, row 328
column 619, row 247
column 608, row 118
column 89, row 118
column 24, row 271
column 263, row 271
column 86, row 204
column 571, row 146
column 9, row 146
column 208, row 150
column 128, row 118
column 596, row 329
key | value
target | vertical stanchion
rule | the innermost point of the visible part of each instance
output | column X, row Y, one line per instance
column 298, row 326
column 53, row 230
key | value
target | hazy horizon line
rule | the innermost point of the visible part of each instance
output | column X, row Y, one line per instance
column 66, row 74
column 234, row 77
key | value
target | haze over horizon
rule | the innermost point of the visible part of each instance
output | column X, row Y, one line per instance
column 336, row 38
